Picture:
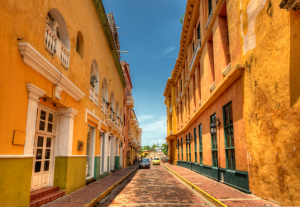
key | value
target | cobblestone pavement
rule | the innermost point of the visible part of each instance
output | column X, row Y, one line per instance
column 224, row 193
column 153, row 187
column 85, row 195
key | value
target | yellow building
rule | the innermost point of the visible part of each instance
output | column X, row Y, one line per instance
column 63, row 94
column 233, row 96
column 134, row 137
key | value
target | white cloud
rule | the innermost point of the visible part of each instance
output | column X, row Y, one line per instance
column 154, row 130
column 145, row 118
column 168, row 50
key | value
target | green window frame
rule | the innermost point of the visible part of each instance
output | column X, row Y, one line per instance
column 190, row 148
column 182, row 149
column 209, row 7
column 186, row 149
column 200, row 144
column 229, row 136
column 181, row 84
column 214, row 143
column 198, row 32
column 193, row 47
column 178, row 157
column 195, row 144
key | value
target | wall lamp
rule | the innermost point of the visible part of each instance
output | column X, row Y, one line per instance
column 213, row 127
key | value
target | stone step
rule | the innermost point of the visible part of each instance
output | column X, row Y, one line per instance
column 44, row 191
column 47, row 198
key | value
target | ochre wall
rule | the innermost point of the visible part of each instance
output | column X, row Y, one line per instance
column 15, row 181
column 79, row 16
column 271, row 91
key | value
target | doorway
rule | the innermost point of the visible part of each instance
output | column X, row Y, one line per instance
column 90, row 148
column 43, row 150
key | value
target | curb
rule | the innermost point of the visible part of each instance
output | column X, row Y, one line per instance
column 108, row 190
column 197, row 189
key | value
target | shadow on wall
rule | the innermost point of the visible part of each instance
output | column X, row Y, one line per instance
column 295, row 58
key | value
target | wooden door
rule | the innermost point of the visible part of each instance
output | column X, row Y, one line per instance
column 41, row 162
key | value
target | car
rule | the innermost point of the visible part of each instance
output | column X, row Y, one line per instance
column 156, row 161
column 145, row 163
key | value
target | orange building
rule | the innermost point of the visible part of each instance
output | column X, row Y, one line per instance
column 233, row 96
column 63, row 94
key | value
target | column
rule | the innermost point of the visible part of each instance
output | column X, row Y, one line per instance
column 105, row 153
column 34, row 93
column 65, row 129
column 112, row 152
column 121, row 157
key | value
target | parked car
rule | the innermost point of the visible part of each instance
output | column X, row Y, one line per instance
column 156, row 161
column 145, row 163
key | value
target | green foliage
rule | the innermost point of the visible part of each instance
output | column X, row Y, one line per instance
column 181, row 19
column 145, row 148
column 164, row 148
column 153, row 147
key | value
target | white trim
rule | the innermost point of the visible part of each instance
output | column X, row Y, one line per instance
column 40, row 64
column 71, row 156
column 34, row 93
column 15, row 156
column 94, row 116
column 114, row 126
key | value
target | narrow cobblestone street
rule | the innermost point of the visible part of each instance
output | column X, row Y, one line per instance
column 154, row 187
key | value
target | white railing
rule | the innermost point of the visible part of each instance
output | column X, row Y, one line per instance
column 55, row 46
column 103, row 107
column 50, row 40
column 94, row 96
column 212, row 87
column 170, row 109
column 209, row 19
column 92, row 91
column 64, row 56
column 227, row 69
column 198, row 46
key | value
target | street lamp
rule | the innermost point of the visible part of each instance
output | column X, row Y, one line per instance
column 121, row 144
column 213, row 127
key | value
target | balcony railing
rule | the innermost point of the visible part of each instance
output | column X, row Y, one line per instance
column 55, row 46
column 104, row 107
column 170, row 109
column 130, row 101
column 227, row 69
column 212, row 87
column 209, row 19
column 198, row 46
column 170, row 132
column 94, row 96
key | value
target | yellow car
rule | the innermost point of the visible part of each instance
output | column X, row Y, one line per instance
column 156, row 161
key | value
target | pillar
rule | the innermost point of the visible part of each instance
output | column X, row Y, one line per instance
column 65, row 128
column 33, row 98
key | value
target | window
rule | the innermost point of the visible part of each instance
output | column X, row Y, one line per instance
column 229, row 137
column 45, row 121
column 189, row 154
column 79, row 44
column 209, row 7
column 193, row 47
column 214, row 143
column 182, row 149
column 200, row 144
column 198, row 32
column 181, row 84
column 195, row 144
column 186, row 148
column 178, row 157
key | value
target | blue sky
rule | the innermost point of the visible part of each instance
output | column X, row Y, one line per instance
column 151, row 34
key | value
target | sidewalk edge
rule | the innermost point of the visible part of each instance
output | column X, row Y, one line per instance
column 203, row 193
column 108, row 190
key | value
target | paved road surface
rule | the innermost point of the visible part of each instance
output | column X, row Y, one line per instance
column 154, row 187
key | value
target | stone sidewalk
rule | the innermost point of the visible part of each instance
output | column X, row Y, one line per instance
column 87, row 194
column 224, row 193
